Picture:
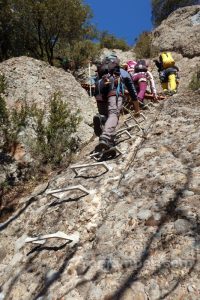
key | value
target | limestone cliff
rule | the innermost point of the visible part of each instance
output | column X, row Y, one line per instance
column 180, row 32
column 135, row 220
column 36, row 81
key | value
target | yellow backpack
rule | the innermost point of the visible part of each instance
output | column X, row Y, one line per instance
column 167, row 60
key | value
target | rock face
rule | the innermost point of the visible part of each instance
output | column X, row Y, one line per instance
column 36, row 81
column 180, row 32
column 124, row 56
column 137, row 217
column 138, row 226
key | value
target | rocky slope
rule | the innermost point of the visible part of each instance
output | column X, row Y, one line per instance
column 180, row 32
column 35, row 81
column 137, row 228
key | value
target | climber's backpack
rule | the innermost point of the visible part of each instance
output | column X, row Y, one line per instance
column 167, row 60
column 108, row 65
column 141, row 66
column 109, row 76
column 131, row 66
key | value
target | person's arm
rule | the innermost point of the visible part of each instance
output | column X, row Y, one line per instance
column 158, row 64
column 127, row 80
column 152, row 84
column 131, row 89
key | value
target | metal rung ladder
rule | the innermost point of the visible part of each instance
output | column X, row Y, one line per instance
column 128, row 128
column 124, row 131
column 84, row 166
column 94, row 155
column 41, row 239
column 69, row 188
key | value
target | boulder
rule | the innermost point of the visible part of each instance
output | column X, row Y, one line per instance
column 182, row 36
column 35, row 81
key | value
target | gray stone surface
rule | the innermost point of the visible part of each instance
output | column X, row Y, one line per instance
column 36, row 81
column 117, row 252
column 182, row 226
column 144, row 214
column 182, row 36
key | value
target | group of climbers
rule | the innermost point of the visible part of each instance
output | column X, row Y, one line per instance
column 112, row 81
column 110, row 86
column 141, row 77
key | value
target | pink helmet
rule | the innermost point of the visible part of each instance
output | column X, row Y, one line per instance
column 131, row 65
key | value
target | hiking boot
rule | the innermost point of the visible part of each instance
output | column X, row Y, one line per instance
column 165, row 92
column 104, row 144
column 142, row 105
column 172, row 92
column 98, row 122
column 137, row 114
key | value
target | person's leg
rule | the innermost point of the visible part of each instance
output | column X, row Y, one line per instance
column 142, row 90
column 164, row 86
column 172, row 82
column 102, row 107
column 141, row 82
column 100, row 118
column 164, row 80
column 136, row 107
column 114, row 108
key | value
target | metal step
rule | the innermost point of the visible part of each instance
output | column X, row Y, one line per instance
column 94, row 155
column 85, row 166
column 137, row 120
column 41, row 239
column 69, row 188
column 128, row 128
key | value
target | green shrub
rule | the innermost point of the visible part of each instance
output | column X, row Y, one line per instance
column 12, row 123
column 82, row 52
column 3, row 112
column 3, row 108
column 3, row 84
column 54, row 129
column 78, row 55
column 4, row 116
column 7, row 128
column 195, row 81
column 55, row 133
column 144, row 48
column 109, row 41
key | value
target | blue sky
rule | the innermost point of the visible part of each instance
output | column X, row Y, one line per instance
column 123, row 18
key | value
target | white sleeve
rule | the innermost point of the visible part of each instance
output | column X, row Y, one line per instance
column 152, row 83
